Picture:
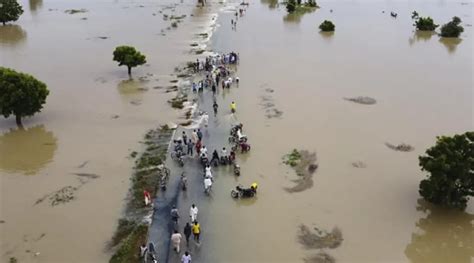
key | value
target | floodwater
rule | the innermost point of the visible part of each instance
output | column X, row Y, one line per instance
column 95, row 117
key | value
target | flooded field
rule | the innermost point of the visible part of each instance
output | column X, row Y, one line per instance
column 293, row 94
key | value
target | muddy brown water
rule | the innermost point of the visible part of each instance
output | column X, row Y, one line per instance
column 423, row 87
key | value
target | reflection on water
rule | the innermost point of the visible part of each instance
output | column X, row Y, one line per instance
column 326, row 35
column 444, row 236
column 26, row 150
column 132, row 90
column 450, row 43
column 12, row 35
column 419, row 36
column 35, row 5
column 272, row 4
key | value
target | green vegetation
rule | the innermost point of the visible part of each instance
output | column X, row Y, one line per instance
column 414, row 15
column 425, row 24
column 124, row 228
column 297, row 6
column 327, row 26
column 128, row 251
column 75, row 11
column 128, row 56
column 178, row 101
column 21, row 94
column 450, row 164
column 10, row 10
column 131, row 232
column 452, row 28
column 292, row 159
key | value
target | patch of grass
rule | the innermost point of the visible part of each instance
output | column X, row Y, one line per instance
column 124, row 229
column 292, row 159
column 75, row 11
column 128, row 251
column 200, row 51
column 133, row 154
column 178, row 101
column 174, row 24
column 13, row 260
column 177, row 17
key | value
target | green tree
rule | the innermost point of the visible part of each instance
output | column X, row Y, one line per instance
column 291, row 6
column 425, row 24
column 10, row 10
column 450, row 164
column 452, row 28
column 129, row 56
column 20, row 94
column 327, row 26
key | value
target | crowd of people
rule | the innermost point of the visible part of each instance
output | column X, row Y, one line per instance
column 216, row 73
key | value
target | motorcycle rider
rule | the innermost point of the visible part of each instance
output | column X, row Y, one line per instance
column 207, row 185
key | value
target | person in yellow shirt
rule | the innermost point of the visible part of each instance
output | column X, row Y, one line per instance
column 196, row 231
column 233, row 107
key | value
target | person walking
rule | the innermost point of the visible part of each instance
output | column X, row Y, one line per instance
column 174, row 215
column 198, row 148
column 190, row 147
column 193, row 212
column 233, row 107
column 196, row 231
column 185, row 138
column 187, row 233
column 199, row 134
column 186, row 258
column 176, row 239
column 194, row 136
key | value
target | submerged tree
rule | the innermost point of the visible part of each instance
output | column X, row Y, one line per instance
column 414, row 15
column 327, row 26
column 425, row 24
column 291, row 6
column 452, row 28
column 10, row 10
column 451, row 166
column 128, row 56
column 20, row 94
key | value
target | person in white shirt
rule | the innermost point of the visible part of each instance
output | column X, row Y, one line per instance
column 186, row 258
column 205, row 119
column 208, row 171
column 207, row 184
column 176, row 239
column 193, row 212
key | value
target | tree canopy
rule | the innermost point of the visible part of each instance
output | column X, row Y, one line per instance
column 10, row 10
column 450, row 164
column 327, row 26
column 452, row 28
column 128, row 56
column 425, row 24
column 20, row 94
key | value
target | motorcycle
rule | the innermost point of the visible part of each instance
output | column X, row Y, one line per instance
column 184, row 182
column 178, row 157
column 241, row 192
column 236, row 169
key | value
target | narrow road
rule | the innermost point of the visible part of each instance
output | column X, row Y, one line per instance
column 214, row 137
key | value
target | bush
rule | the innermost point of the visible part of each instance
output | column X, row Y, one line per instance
column 21, row 94
column 452, row 28
column 327, row 26
column 10, row 10
column 291, row 6
column 450, row 164
column 425, row 24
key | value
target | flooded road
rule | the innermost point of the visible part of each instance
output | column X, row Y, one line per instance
column 293, row 84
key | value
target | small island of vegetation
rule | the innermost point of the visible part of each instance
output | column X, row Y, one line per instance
column 327, row 26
